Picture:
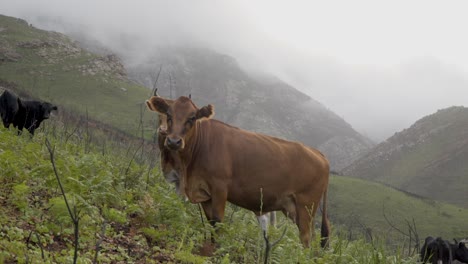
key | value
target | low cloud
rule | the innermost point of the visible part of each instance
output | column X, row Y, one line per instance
column 380, row 68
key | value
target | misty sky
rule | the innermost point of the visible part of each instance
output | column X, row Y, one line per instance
column 379, row 65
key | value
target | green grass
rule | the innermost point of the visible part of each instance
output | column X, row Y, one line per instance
column 362, row 204
column 141, row 220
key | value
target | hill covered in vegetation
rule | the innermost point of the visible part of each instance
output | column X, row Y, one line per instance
column 127, row 213
column 427, row 159
column 375, row 209
column 50, row 66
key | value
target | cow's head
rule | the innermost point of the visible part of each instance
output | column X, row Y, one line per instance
column 181, row 114
column 46, row 108
column 461, row 253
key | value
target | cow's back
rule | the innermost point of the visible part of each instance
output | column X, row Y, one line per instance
column 259, row 170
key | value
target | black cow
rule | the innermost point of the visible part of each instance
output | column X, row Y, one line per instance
column 439, row 251
column 436, row 251
column 460, row 252
column 9, row 104
column 31, row 114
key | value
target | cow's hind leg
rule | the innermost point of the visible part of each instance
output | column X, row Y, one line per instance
column 272, row 218
column 304, row 222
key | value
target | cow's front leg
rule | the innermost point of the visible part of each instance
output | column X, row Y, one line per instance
column 207, row 210
column 214, row 208
column 218, row 205
column 209, row 216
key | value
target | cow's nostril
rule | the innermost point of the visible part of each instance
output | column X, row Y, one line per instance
column 174, row 142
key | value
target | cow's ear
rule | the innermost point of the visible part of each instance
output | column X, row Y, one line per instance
column 157, row 104
column 206, row 111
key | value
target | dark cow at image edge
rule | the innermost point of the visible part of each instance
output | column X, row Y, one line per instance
column 23, row 113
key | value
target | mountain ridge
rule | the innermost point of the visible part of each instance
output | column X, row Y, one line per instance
column 61, row 69
column 262, row 104
column 427, row 159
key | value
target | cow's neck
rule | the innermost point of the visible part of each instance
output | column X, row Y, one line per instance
column 192, row 145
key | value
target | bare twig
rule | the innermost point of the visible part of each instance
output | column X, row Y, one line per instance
column 411, row 230
column 40, row 245
column 367, row 231
column 170, row 85
column 269, row 246
column 142, row 131
column 201, row 216
column 99, row 242
column 27, row 246
column 67, row 137
column 390, row 223
column 74, row 214
column 130, row 163
column 51, row 152
column 88, row 134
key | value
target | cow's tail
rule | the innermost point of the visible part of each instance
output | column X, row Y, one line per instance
column 325, row 230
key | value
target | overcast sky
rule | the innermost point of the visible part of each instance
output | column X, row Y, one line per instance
column 380, row 65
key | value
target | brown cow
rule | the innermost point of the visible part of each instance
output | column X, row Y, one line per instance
column 170, row 165
column 260, row 173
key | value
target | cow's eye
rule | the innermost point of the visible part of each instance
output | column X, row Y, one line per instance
column 191, row 120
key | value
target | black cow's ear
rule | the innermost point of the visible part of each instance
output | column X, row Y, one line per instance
column 157, row 104
column 206, row 111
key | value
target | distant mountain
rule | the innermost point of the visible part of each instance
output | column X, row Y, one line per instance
column 429, row 159
column 259, row 103
column 87, row 77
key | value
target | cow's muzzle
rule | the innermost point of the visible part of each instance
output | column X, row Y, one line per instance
column 174, row 143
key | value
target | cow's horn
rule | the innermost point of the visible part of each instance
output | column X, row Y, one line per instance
column 155, row 93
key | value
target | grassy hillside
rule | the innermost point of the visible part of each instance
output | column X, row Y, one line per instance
column 129, row 214
column 49, row 66
column 427, row 159
column 363, row 204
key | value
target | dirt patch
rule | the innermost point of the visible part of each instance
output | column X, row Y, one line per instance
column 206, row 250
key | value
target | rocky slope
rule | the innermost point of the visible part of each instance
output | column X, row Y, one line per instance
column 259, row 103
column 51, row 66
column 428, row 159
